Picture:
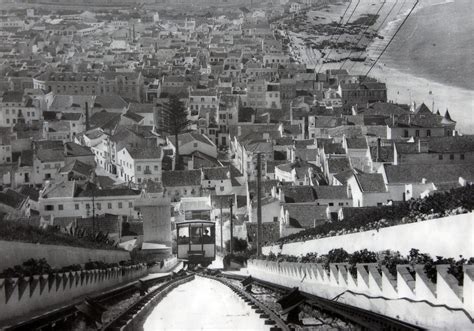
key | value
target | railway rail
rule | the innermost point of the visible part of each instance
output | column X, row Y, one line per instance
column 365, row 319
column 271, row 317
column 53, row 320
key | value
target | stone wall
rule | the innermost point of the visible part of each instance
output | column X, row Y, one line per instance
column 14, row 253
column 448, row 236
column 415, row 300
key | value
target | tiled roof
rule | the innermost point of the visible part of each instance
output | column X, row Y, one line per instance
column 145, row 153
column 331, row 192
column 133, row 116
column 220, row 173
column 297, row 194
column 437, row 173
column 356, row 143
column 385, row 153
column 48, row 144
column 29, row 191
column 181, row 178
column 78, row 167
column 371, row 182
column 306, row 215
column 12, row 198
column 50, row 155
column 73, row 149
column 105, row 120
column 90, row 190
column 71, row 116
column 304, row 143
column 456, row 144
column 338, row 164
column 12, row 96
column 64, row 189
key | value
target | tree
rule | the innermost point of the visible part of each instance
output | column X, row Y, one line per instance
column 174, row 121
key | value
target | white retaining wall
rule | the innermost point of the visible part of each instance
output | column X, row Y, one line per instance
column 443, row 305
column 13, row 253
column 24, row 296
column 449, row 237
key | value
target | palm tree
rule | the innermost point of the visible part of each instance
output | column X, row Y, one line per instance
column 174, row 121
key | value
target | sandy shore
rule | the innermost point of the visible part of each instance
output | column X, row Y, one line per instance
column 403, row 86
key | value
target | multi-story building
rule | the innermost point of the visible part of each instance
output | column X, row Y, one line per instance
column 361, row 93
column 69, row 199
column 138, row 165
column 125, row 84
column 16, row 108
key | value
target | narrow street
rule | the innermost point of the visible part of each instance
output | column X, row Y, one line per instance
column 203, row 304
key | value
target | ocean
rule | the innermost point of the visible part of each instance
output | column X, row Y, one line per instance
column 436, row 42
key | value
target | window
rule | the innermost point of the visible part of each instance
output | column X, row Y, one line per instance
column 139, row 168
column 379, row 204
column 405, row 133
column 120, row 205
column 99, row 206
column 341, row 203
column 88, row 206
column 130, row 205
column 331, row 203
column 451, row 156
column 417, row 133
column 461, row 156
column 222, row 188
column 60, row 207
column 109, row 205
column 275, row 219
column 428, row 133
column 156, row 168
column 76, row 206
column 440, row 157
column 195, row 145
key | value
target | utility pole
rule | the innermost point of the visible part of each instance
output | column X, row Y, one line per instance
column 93, row 210
column 222, row 239
column 259, row 204
column 231, row 226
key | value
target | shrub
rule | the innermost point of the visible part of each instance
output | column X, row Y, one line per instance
column 456, row 201
column 238, row 245
column 387, row 258
column 16, row 231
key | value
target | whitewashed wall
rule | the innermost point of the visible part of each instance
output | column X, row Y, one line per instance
column 449, row 237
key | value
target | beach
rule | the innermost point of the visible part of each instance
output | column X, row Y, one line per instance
column 424, row 63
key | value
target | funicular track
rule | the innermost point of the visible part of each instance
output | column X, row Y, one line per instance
column 54, row 319
column 365, row 319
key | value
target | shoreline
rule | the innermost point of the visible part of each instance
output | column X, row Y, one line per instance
column 403, row 85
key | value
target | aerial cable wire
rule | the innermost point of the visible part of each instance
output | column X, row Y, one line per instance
column 391, row 39
column 339, row 25
column 373, row 21
column 339, row 36
column 380, row 27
